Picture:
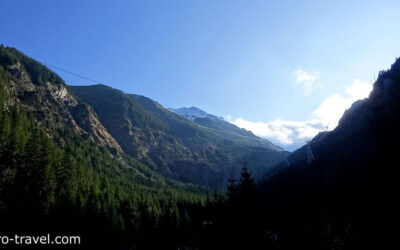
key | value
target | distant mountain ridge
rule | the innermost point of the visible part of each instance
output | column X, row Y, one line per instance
column 224, row 128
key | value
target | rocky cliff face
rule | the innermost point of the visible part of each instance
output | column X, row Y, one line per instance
column 50, row 101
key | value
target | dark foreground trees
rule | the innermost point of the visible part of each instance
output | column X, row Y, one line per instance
column 237, row 222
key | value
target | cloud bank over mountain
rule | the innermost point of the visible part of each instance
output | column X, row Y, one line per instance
column 325, row 117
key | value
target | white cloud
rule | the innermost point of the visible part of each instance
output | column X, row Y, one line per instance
column 307, row 80
column 327, row 114
column 283, row 132
column 332, row 108
column 359, row 89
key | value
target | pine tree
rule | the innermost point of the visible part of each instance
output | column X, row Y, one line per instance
column 242, row 222
column 232, row 190
column 246, row 187
column 243, row 191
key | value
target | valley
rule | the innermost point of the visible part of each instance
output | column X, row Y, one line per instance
column 122, row 170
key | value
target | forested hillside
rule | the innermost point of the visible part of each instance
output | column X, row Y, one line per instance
column 60, row 182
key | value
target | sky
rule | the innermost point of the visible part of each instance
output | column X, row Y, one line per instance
column 285, row 70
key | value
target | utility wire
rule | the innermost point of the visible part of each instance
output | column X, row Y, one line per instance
column 252, row 138
column 71, row 73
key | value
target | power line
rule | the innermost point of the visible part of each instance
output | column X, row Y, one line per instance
column 253, row 138
column 72, row 73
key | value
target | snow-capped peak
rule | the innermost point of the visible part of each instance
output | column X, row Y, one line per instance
column 194, row 113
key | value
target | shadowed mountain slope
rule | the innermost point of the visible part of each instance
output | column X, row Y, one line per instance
column 173, row 145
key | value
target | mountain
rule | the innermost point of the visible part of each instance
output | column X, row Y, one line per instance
column 224, row 129
column 339, row 189
column 172, row 145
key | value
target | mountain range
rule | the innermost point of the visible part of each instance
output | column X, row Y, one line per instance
column 201, row 149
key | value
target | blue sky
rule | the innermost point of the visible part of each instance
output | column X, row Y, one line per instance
column 284, row 69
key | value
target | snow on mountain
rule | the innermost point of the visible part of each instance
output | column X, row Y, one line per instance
column 193, row 113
